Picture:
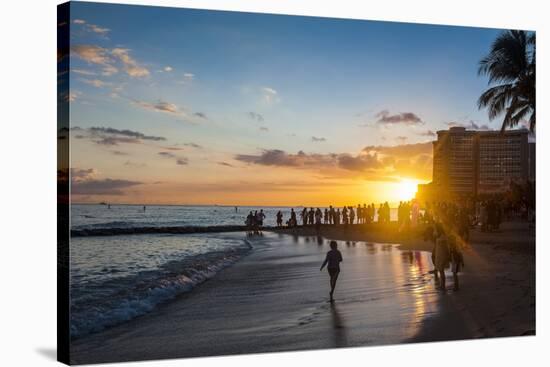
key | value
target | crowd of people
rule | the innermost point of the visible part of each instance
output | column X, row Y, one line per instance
column 407, row 213
column 254, row 222
column 346, row 215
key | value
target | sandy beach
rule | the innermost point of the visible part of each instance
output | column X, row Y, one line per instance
column 275, row 299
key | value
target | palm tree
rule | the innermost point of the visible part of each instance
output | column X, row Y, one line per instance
column 510, row 66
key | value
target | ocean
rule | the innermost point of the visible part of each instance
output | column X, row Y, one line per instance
column 89, row 216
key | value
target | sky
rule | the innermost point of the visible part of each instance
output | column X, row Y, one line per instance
column 181, row 106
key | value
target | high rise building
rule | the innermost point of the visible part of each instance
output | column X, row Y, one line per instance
column 468, row 163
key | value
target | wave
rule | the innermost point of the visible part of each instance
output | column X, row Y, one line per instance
column 97, row 306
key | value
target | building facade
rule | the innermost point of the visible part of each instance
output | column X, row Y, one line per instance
column 468, row 163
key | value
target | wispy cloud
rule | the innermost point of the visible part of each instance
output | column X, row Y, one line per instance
column 180, row 161
column 108, row 59
column 225, row 164
column 406, row 118
column 92, row 54
column 131, row 66
column 83, row 72
column 94, row 28
column 429, row 133
column 111, row 137
column 255, row 116
column 264, row 128
column 318, row 139
column 95, row 82
column 105, row 186
column 269, row 95
column 160, row 106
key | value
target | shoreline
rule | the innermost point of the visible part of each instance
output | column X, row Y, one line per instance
column 386, row 232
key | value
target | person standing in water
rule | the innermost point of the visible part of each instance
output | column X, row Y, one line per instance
column 332, row 261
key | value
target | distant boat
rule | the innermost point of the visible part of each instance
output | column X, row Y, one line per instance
column 103, row 203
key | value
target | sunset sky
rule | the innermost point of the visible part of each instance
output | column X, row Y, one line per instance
column 176, row 106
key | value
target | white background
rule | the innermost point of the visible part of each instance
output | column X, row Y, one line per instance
column 28, row 182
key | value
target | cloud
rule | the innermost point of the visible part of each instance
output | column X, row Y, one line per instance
column 264, row 128
column 427, row 133
column 470, row 125
column 95, row 55
column 92, row 27
column 255, row 116
column 79, row 174
column 105, row 186
column 406, row 118
column 168, row 69
column 95, row 82
column 269, row 95
column 72, row 96
column 134, row 164
column 83, row 72
column 91, row 54
column 276, row 157
column 160, row 106
column 360, row 162
column 317, row 140
column 131, row 66
column 180, row 161
column 187, row 78
column 167, row 154
column 201, row 115
column 193, row 145
column 225, row 164
column 111, row 137
column 377, row 163
column 402, row 139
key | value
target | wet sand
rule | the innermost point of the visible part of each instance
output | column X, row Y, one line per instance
column 275, row 299
column 497, row 295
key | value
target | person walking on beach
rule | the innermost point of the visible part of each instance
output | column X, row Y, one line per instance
column 332, row 261
column 325, row 218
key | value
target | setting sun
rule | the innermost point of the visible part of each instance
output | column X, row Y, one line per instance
column 406, row 190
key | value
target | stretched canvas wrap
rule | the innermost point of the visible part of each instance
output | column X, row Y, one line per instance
column 234, row 183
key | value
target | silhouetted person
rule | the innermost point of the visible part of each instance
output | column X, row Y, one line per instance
column 279, row 219
column 442, row 255
column 333, row 260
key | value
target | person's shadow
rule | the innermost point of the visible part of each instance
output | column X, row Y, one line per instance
column 338, row 327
